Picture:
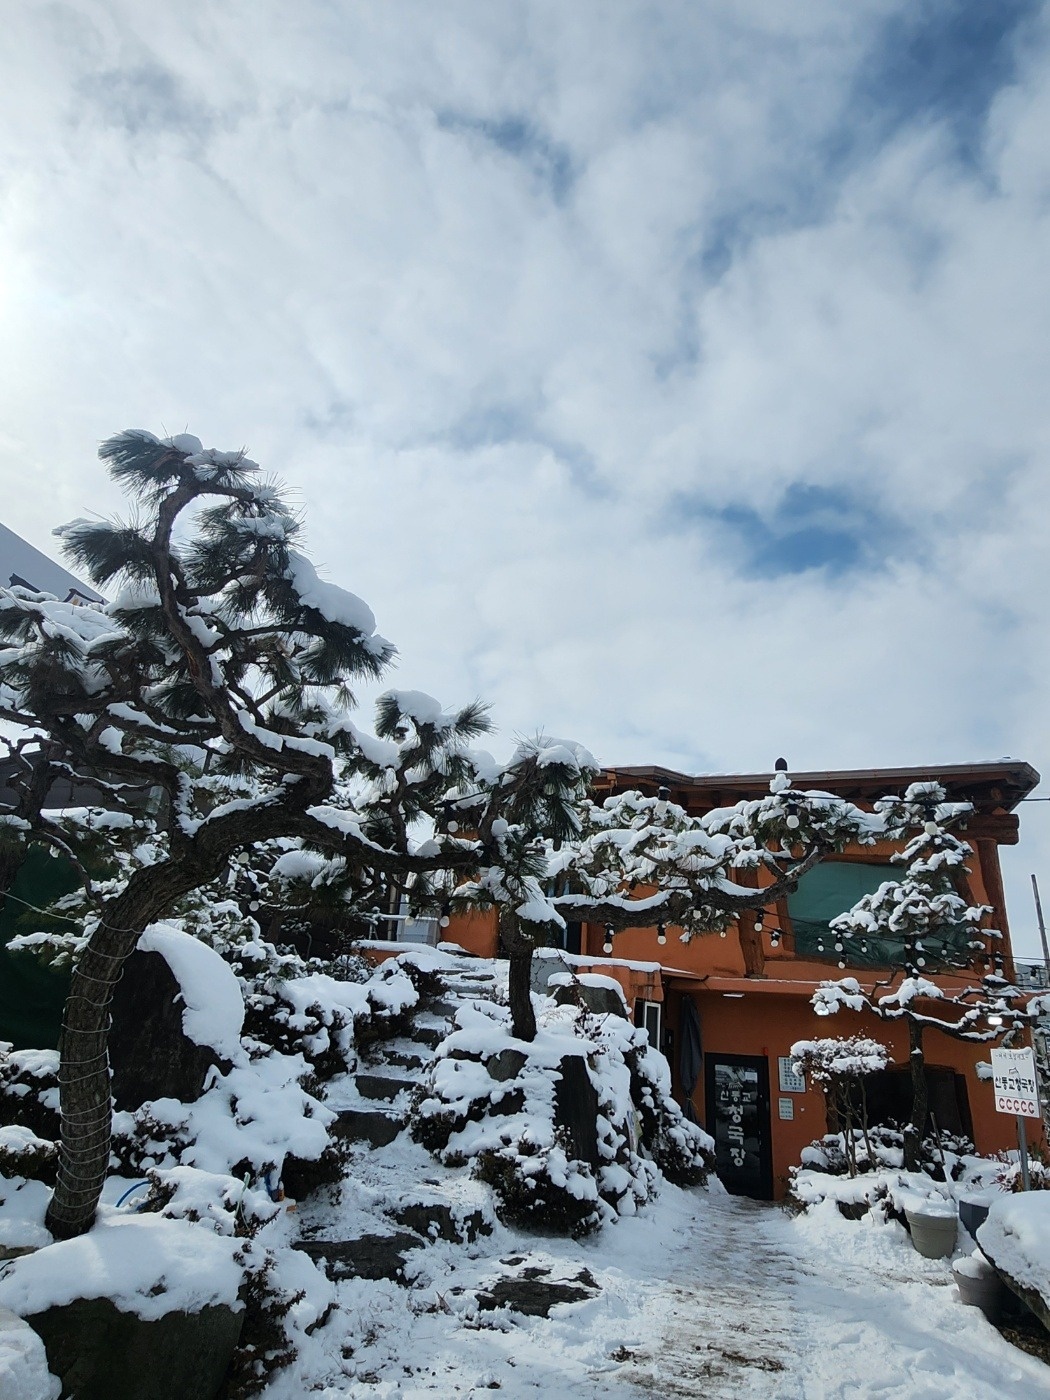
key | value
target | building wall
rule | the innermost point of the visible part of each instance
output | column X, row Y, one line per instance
column 766, row 1024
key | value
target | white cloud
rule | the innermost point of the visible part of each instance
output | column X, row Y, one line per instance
column 494, row 287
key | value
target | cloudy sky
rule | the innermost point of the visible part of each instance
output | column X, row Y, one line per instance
column 672, row 375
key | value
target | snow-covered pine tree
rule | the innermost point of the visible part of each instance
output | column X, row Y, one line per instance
column 224, row 660
column 222, row 652
column 550, row 855
column 928, row 926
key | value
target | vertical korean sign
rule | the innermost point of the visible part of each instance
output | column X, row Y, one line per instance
column 1017, row 1092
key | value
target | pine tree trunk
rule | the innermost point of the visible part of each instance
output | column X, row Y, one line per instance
column 518, row 947
column 913, row 1133
column 864, row 1125
column 84, row 1076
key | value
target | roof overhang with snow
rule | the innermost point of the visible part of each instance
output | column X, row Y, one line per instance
column 993, row 788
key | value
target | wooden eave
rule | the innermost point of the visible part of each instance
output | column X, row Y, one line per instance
column 994, row 789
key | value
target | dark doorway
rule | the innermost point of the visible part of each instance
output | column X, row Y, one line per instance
column 737, row 1099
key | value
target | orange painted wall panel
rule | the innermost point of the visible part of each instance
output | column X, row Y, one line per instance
column 766, row 1024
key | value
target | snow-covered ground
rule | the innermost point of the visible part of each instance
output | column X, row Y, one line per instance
column 701, row 1295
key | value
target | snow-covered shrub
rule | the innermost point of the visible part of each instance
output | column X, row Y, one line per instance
column 269, row 1339
column 840, row 1066
column 559, row 1158
column 29, row 1090
column 681, row 1150
column 883, row 1147
column 1008, row 1176
column 24, row 1154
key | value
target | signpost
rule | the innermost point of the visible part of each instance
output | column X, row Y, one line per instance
column 1017, row 1092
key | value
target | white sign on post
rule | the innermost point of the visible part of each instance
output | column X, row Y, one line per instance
column 1014, row 1082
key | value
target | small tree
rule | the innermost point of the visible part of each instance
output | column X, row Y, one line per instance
column 841, row 1067
column 931, row 923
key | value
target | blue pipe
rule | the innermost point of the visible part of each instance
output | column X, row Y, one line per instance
column 128, row 1192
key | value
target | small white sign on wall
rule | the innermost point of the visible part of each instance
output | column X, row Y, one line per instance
column 790, row 1082
column 787, row 1108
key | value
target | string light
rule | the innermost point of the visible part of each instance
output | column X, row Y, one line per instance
column 661, row 934
column 607, row 945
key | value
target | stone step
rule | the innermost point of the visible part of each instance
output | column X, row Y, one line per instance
column 370, row 1256
column 382, row 1086
column 437, row 1220
column 404, row 1059
column 367, row 1125
column 431, row 1036
column 444, row 1008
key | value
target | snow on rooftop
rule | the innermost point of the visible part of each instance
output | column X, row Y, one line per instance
column 38, row 572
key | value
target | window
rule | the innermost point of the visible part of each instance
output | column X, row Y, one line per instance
column 833, row 887
column 647, row 1014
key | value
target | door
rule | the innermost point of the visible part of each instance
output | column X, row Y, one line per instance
column 737, row 1099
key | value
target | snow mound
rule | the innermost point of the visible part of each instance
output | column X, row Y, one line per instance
column 213, row 1010
column 146, row 1264
column 1017, row 1236
column 23, row 1363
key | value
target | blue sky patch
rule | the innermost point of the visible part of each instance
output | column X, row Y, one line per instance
column 548, row 161
column 811, row 527
column 939, row 61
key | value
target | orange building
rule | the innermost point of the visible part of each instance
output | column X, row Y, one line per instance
column 725, row 1010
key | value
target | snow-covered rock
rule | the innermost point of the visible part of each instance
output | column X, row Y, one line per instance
column 1016, row 1238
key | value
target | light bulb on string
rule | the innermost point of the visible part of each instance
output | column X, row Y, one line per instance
column 607, row 946
column 774, row 938
column 661, row 934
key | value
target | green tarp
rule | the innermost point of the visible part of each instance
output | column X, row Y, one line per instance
column 32, row 995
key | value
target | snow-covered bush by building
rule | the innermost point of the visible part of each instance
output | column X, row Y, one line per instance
column 569, row 1129
column 840, row 1066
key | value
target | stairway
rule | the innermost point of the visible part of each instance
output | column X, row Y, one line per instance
column 399, row 1181
column 372, row 1107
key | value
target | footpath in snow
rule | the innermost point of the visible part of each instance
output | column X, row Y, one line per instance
column 701, row 1295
